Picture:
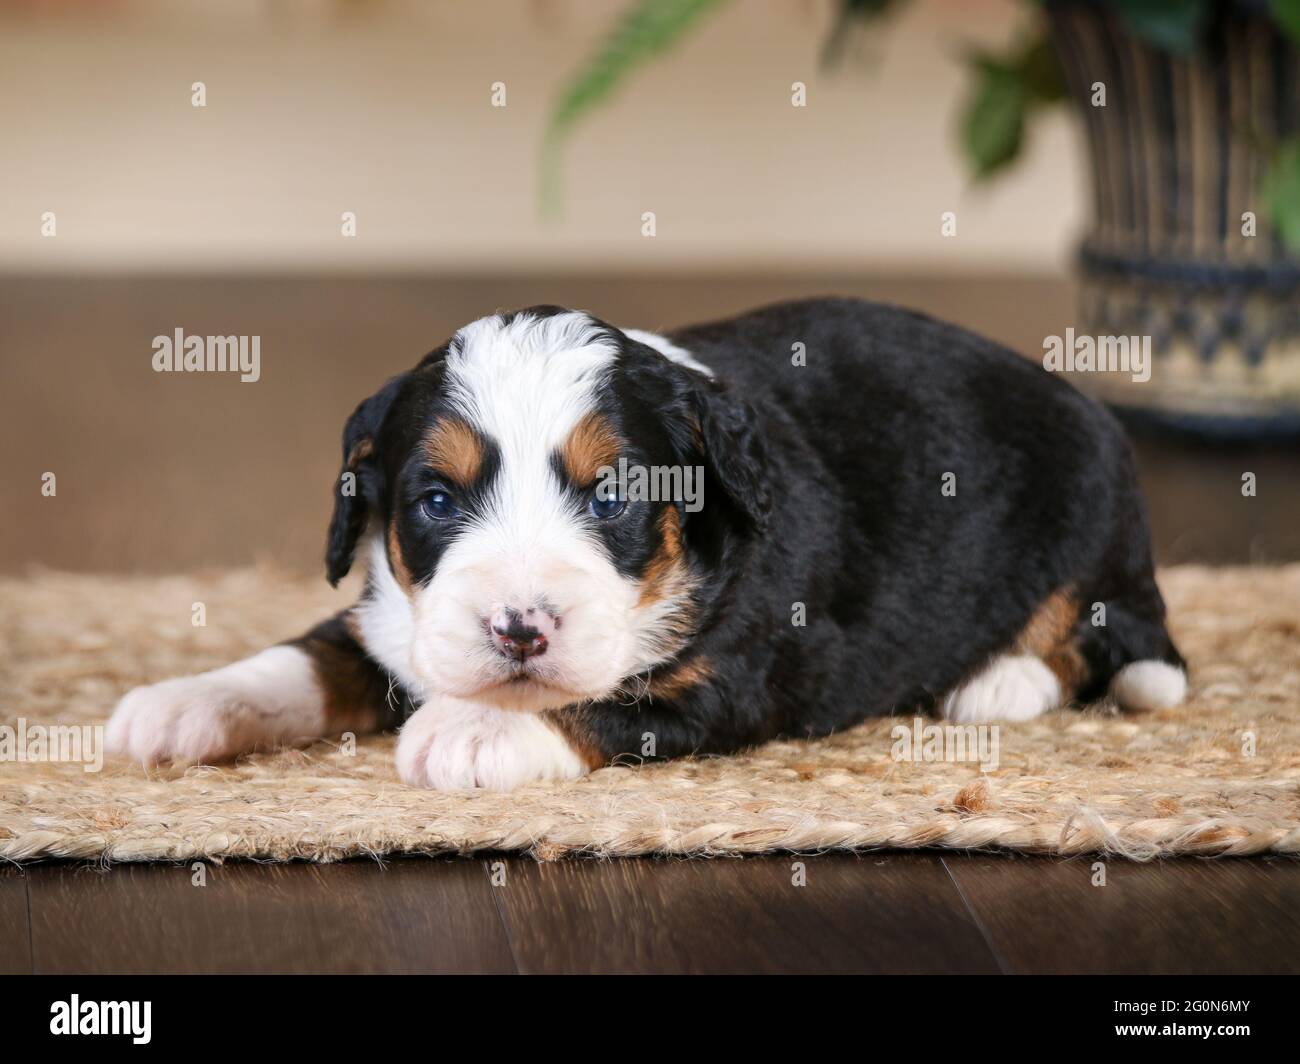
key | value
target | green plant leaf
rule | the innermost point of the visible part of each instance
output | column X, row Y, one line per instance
column 994, row 122
column 644, row 30
column 1171, row 25
column 850, row 12
column 1287, row 14
column 1282, row 193
column 1006, row 91
column 1041, row 70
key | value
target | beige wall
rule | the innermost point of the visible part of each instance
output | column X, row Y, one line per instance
column 382, row 108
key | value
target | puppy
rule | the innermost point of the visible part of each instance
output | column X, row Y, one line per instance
column 898, row 517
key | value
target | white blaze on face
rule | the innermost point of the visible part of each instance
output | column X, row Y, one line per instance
column 525, row 386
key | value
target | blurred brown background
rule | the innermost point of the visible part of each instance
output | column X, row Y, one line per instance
column 226, row 220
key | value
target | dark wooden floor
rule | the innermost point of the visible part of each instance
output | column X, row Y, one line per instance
column 873, row 913
column 162, row 474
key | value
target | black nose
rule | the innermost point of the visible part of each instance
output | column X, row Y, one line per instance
column 518, row 640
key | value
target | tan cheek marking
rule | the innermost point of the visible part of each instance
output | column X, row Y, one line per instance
column 592, row 445
column 572, row 724
column 453, row 449
column 354, row 698
column 1049, row 635
column 681, row 678
column 666, row 573
column 395, row 559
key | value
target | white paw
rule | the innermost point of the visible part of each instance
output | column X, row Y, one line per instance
column 268, row 700
column 1012, row 687
column 1147, row 685
column 452, row 745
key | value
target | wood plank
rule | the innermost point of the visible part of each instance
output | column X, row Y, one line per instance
column 417, row 915
column 897, row 913
column 15, row 934
column 875, row 913
column 1178, row 916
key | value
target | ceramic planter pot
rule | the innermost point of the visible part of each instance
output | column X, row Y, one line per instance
column 1178, row 153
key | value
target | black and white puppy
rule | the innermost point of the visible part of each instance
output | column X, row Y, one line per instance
column 906, row 518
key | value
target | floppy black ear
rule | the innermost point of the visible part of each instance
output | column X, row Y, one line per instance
column 356, row 492
column 735, row 457
column 708, row 426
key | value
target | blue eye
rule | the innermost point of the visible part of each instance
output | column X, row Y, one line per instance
column 441, row 505
column 604, row 509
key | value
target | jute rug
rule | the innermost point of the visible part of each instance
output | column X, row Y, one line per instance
column 1218, row 776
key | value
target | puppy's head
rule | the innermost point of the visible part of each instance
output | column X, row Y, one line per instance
column 505, row 563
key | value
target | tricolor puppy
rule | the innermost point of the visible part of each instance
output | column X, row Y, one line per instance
column 914, row 519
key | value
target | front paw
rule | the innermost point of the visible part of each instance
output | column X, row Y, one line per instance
column 452, row 745
column 186, row 719
column 265, row 701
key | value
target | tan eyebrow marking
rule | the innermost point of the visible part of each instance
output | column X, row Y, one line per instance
column 454, row 450
column 592, row 445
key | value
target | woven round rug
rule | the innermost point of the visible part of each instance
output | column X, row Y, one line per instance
column 1219, row 775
